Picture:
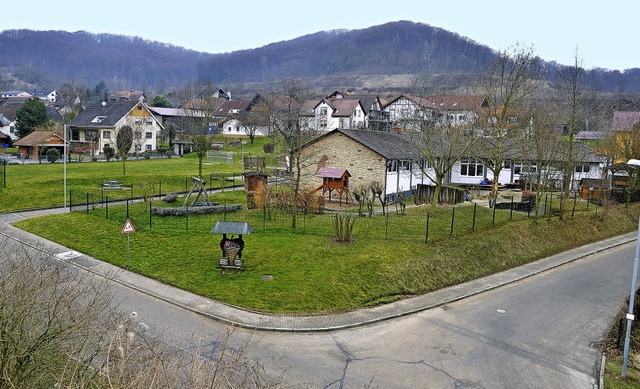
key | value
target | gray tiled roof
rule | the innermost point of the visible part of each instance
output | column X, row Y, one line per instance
column 387, row 144
column 112, row 112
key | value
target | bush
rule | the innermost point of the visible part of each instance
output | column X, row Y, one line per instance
column 109, row 152
column 268, row 148
column 53, row 155
column 147, row 155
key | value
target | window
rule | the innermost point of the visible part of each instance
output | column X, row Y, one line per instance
column 392, row 166
column 138, row 121
column 583, row 168
column 522, row 168
column 149, row 121
column 323, row 122
column 147, row 147
column 137, row 147
column 89, row 135
column 323, row 111
column 139, row 107
column 425, row 164
column 471, row 167
column 75, row 135
column 12, row 129
column 405, row 166
column 106, row 134
column 148, row 135
column 98, row 119
column 137, row 135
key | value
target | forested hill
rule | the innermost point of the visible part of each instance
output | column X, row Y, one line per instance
column 46, row 59
column 392, row 48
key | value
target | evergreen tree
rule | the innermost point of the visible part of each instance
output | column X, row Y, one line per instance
column 31, row 115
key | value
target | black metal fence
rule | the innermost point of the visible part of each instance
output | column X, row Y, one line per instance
column 417, row 225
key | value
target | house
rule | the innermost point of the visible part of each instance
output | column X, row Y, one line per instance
column 50, row 97
column 625, row 127
column 407, row 112
column 125, row 95
column 393, row 160
column 14, row 93
column 38, row 142
column 9, row 108
column 329, row 114
column 98, row 124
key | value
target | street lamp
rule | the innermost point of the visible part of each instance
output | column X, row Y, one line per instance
column 635, row 163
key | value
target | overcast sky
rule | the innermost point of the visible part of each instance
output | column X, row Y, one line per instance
column 603, row 32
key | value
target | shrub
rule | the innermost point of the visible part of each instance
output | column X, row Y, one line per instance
column 109, row 152
column 53, row 155
column 268, row 148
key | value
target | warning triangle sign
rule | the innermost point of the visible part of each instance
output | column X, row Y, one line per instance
column 128, row 227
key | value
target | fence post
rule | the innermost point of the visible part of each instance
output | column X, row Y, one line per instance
column 127, row 208
column 511, row 209
column 150, row 215
column 264, row 217
column 473, row 226
column 87, row 200
column 493, row 220
column 575, row 201
column 550, row 207
column 102, row 194
column 304, row 221
column 106, row 207
column 160, row 194
column 386, row 225
column 185, row 185
column 453, row 218
column 529, row 208
column 132, row 191
column 186, row 214
column 426, row 236
column 546, row 198
column 70, row 202
column 588, row 198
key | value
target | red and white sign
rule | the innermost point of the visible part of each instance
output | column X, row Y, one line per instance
column 128, row 227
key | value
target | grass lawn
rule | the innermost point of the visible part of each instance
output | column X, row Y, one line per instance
column 311, row 272
column 41, row 185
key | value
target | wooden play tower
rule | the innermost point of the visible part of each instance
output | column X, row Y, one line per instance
column 334, row 179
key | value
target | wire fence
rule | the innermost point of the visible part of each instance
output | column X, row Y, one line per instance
column 417, row 224
column 120, row 190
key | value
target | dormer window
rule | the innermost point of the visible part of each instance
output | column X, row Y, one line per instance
column 98, row 119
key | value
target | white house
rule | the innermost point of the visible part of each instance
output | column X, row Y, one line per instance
column 330, row 114
column 98, row 124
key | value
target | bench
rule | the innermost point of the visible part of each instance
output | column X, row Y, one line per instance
column 112, row 184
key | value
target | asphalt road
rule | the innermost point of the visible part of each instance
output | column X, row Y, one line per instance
column 535, row 333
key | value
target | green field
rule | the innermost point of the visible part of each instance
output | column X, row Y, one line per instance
column 312, row 273
column 41, row 185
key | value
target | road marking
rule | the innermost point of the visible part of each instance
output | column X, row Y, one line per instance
column 68, row 255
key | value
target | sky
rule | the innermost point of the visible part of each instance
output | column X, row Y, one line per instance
column 600, row 31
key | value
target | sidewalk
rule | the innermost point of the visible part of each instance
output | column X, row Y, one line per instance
column 253, row 320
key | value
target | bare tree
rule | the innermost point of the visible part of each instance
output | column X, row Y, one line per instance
column 198, row 106
column 541, row 147
column 286, row 109
column 439, row 147
column 124, row 141
column 572, row 96
column 509, row 82
column 254, row 120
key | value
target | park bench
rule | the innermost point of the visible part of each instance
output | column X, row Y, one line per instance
column 112, row 184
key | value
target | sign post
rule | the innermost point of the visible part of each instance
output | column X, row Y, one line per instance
column 128, row 229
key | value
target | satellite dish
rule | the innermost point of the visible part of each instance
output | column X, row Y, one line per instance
column 104, row 103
